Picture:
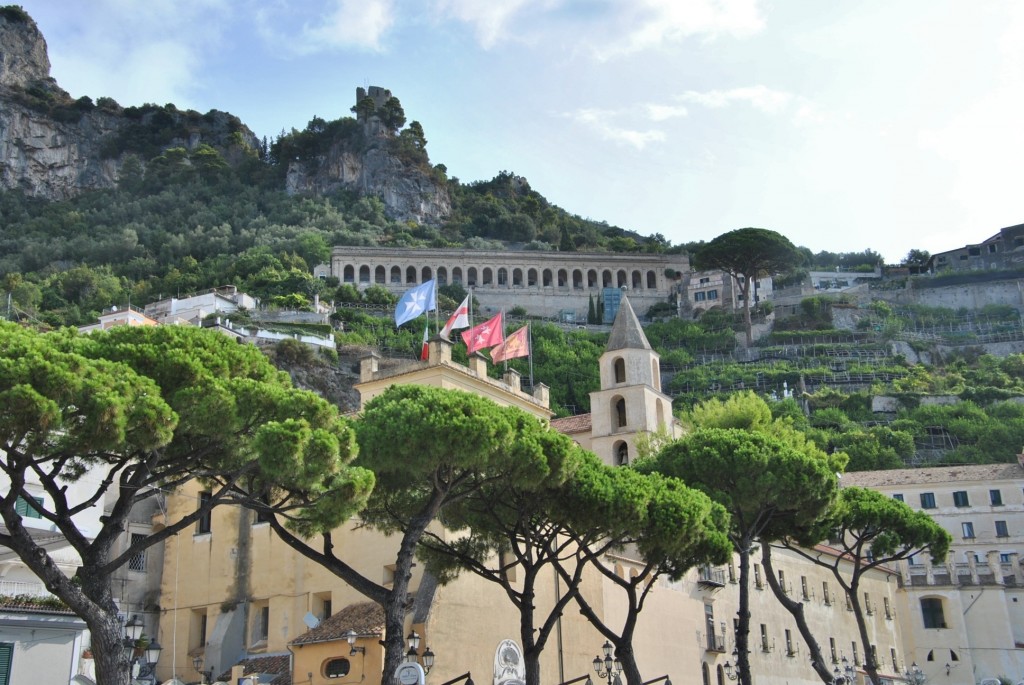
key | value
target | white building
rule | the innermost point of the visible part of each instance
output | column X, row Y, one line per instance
column 963, row 617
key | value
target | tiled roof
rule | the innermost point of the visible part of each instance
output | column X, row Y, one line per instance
column 572, row 424
column 937, row 474
column 365, row 618
column 279, row 664
column 34, row 605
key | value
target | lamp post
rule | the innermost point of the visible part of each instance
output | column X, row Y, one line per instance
column 914, row 675
column 143, row 666
column 732, row 672
column 846, row 676
column 351, row 637
column 413, row 655
column 607, row 668
column 197, row 664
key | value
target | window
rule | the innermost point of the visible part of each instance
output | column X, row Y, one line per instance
column 826, row 597
column 927, row 500
column 699, row 296
column 198, row 629
column 260, row 623
column 898, row 497
column 803, row 588
column 620, row 370
column 789, row 643
column 832, row 650
column 203, row 524
column 6, row 657
column 1004, row 558
column 968, row 529
column 765, row 647
column 867, row 605
column 1001, row 530
column 137, row 562
column 887, row 607
column 782, row 582
column 620, row 413
column 713, row 294
column 337, row 668
column 27, row 509
column 960, row 498
column 995, row 498
column 892, row 653
column 856, row 657
column 757, row 577
column 932, row 613
column 912, row 560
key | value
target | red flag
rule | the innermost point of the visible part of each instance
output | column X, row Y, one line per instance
column 487, row 334
column 515, row 345
column 425, row 352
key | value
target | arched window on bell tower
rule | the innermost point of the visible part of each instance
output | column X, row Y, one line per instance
column 620, row 370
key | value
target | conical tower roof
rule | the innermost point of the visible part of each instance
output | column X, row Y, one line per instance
column 626, row 332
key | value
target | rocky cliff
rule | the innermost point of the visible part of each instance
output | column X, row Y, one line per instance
column 54, row 147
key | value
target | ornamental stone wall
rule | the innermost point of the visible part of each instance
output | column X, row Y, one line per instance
column 544, row 283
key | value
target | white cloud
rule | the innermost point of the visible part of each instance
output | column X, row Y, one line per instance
column 650, row 24
column 490, row 20
column 601, row 122
column 352, row 23
column 657, row 112
column 759, row 97
column 139, row 52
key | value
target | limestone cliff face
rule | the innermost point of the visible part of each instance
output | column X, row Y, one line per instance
column 408, row 193
column 55, row 147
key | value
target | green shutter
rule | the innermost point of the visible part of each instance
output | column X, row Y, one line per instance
column 27, row 510
column 6, row 654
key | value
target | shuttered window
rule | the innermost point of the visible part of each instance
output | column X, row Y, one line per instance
column 6, row 655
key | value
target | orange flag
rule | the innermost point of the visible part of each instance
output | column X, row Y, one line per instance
column 515, row 345
column 487, row 334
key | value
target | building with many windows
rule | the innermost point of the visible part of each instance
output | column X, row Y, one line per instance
column 963, row 616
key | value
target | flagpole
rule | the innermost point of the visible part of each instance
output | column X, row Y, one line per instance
column 529, row 336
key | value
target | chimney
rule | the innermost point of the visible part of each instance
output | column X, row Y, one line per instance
column 514, row 379
column 478, row 364
column 542, row 394
column 439, row 351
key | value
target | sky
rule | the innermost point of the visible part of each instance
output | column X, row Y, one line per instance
column 842, row 125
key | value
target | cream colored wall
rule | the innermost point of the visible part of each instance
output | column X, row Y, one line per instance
column 310, row 660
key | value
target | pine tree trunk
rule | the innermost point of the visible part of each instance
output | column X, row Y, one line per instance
column 743, row 616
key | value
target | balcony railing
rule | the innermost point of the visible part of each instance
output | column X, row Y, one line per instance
column 715, row 643
column 13, row 588
column 709, row 577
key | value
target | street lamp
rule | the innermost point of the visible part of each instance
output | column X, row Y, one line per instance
column 197, row 664
column 914, row 675
column 731, row 672
column 143, row 666
column 413, row 654
column 351, row 637
column 845, row 676
column 608, row 667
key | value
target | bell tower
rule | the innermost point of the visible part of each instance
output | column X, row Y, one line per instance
column 630, row 401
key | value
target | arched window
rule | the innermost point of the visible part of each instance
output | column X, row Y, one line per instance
column 606, row 279
column 380, row 275
column 592, row 278
column 336, row 668
column 410, row 274
column 349, row 274
column 660, row 413
column 656, row 374
column 932, row 612
column 364, row 274
column 488, row 277
column 457, row 275
column 427, row 274
column 621, row 450
column 619, row 416
column 517, row 278
column 636, row 280
column 620, row 370
column 705, row 674
column 652, row 281
column 503, row 276
column 577, row 279
column 442, row 276
column 396, row 274
column 621, row 279
column 721, row 675
column 547, row 278
column 471, row 276
column 531, row 278
column 563, row 278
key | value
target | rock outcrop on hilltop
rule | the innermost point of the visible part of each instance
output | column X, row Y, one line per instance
column 55, row 147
